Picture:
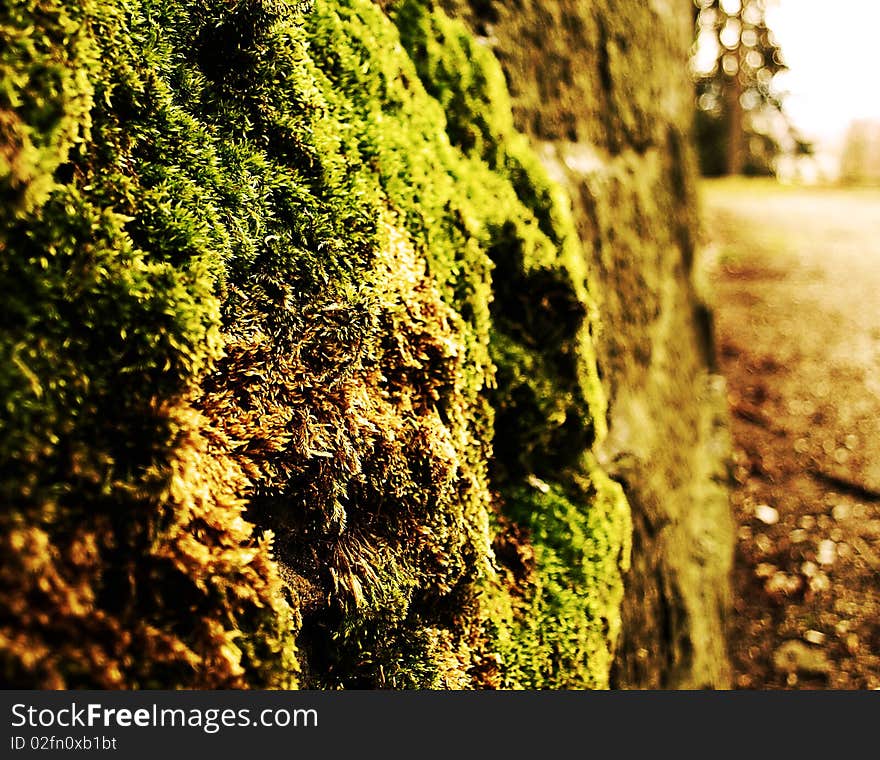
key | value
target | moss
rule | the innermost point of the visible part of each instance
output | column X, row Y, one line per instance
column 126, row 559
column 603, row 87
column 552, row 627
column 559, row 630
column 281, row 280
column 46, row 97
column 593, row 74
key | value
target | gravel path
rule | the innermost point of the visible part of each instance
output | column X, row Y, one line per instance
column 796, row 280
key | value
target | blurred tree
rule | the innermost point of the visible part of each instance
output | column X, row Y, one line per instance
column 741, row 126
column 860, row 161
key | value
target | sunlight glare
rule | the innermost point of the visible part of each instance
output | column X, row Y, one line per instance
column 831, row 50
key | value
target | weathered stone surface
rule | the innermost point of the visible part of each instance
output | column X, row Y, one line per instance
column 603, row 87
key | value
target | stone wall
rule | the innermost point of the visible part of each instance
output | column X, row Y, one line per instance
column 602, row 88
column 341, row 352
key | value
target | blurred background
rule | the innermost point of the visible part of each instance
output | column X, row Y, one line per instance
column 784, row 89
column 788, row 135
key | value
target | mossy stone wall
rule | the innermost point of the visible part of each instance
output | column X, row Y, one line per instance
column 602, row 89
column 306, row 365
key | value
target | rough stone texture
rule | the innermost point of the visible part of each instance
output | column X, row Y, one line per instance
column 603, row 87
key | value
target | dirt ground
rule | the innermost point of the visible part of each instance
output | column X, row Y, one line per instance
column 795, row 277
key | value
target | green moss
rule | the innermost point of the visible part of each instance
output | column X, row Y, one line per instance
column 45, row 97
column 294, row 269
column 126, row 561
column 555, row 632
column 549, row 404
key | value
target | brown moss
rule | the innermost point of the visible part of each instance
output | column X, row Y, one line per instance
column 60, row 629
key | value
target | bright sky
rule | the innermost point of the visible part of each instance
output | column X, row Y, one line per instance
column 832, row 49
